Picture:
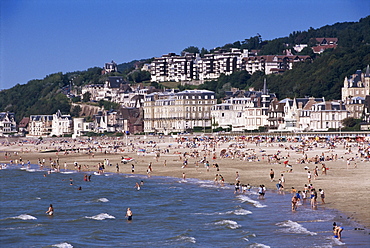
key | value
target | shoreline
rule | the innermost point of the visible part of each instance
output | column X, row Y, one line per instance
column 345, row 189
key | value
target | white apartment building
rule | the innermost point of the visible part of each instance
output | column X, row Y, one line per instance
column 327, row 115
column 61, row 124
column 248, row 112
column 177, row 112
column 81, row 127
column 190, row 67
column 45, row 125
column 40, row 125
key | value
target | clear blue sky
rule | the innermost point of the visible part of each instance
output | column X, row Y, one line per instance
column 41, row 37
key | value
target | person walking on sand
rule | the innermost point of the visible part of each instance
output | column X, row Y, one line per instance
column 272, row 175
column 237, row 177
column 50, row 210
column 129, row 214
column 309, row 176
column 282, row 179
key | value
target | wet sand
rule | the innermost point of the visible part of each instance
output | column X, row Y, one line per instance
column 346, row 189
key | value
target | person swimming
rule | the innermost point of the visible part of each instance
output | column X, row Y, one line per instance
column 50, row 210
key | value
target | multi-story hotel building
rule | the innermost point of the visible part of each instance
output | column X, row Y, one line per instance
column 192, row 67
column 167, row 112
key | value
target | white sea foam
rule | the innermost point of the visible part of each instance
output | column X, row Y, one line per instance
column 336, row 241
column 228, row 223
column 103, row 200
column 294, row 227
column 245, row 198
column 25, row 217
column 101, row 216
column 68, row 172
column 241, row 212
column 63, row 245
column 187, row 239
column 257, row 245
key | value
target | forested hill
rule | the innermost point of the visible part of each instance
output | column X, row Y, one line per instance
column 321, row 78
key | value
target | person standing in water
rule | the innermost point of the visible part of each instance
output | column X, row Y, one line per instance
column 337, row 230
column 129, row 214
column 50, row 210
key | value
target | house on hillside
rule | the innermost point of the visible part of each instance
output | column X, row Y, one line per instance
column 112, row 90
column 109, row 67
column 324, row 43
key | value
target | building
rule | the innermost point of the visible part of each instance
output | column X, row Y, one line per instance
column 324, row 43
column 327, row 115
column 291, row 115
column 61, row 124
column 49, row 125
column 110, row 67
column 244, row 110
column 7, row 123
column 168, row 112
column 272, row 64
column 40, row 125
column 81, row 127
column 354, row 92
column 357, row 84
column 191, row 67
column 111, row 90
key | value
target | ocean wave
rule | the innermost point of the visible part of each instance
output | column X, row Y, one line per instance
column 257, row 245
column 103, row 200
column 294, row 227
column 63, row 245
column 24, row 217
column 228, row 223
column 101, row 216
column 68, row 172
column 186, row 239
column 245, row 198
column 241, row 212
column 336, row 241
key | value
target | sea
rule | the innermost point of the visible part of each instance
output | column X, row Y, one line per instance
column 167, row 212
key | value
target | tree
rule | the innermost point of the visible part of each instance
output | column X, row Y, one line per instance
column 350, row 122
column 75, row 112
column 86, row 97
column 191, row 49
column 203, row 52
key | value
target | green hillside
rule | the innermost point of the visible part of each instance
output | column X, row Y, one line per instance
column 322, row 78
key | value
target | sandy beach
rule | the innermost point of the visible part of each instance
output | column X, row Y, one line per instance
column 346, row 183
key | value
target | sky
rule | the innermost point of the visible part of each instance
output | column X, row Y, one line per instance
column 41, row 37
